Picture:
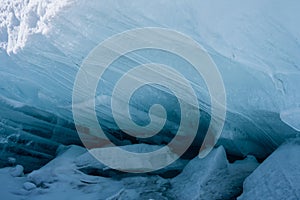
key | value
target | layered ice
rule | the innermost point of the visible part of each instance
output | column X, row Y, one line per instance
column 255, row 46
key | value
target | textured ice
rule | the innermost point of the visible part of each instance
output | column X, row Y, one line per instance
column 212, row 177
column 255, row 45
column 60, row 179
column 278, row 177
column 292, row 118
column 89, row 164
column 29, row 186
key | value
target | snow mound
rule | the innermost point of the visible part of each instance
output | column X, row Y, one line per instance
column 90, row 165
column 292, row 118
column 60, row 179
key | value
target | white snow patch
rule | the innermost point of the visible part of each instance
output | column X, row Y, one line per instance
column 19, row 19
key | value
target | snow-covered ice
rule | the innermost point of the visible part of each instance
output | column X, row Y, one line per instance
column 19, row 19
column 60, row 179
column 89, row 163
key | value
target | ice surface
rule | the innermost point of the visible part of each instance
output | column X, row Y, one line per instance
column 292, row 118
column 212, row 177
column 89, row 164
column 278, row 177
column 19, row 19
column 255, row 46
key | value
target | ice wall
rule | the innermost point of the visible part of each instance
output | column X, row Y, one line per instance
column 255, row 45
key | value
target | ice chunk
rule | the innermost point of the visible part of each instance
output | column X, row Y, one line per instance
column 212, row 177
column 63, row 162
column 278, row 177
column 90, row 165
column 60, row 179
column 19, row 19
column 133, row 163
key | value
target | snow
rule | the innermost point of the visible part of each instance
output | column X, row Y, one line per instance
column 19, row 19
column 61, row 179
column 278, row 177
column 29, row 186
